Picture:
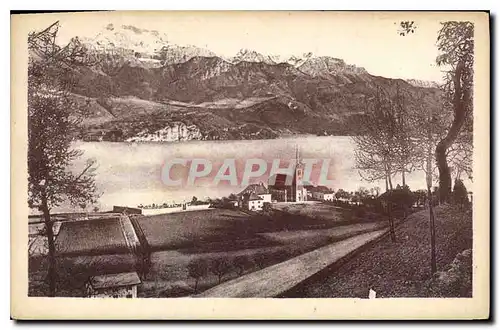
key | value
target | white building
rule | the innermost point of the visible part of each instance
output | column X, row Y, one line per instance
column 253, row 202
column 122, row 285
column 265, row 197
column 255, row 195
column 322, row 193
column 323, row 196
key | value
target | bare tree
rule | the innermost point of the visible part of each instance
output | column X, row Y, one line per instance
column 197, row 268
column 382, row 145
column 427, row 128
column 261, row 260
column 220, row 267
column 53, row 120
column 376, row 140
column 405, row 145
column 241, row 263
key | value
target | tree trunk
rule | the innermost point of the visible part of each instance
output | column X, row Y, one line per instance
column 196, row 285
column 52, row 248
column 460, row 109
column 391, row 220
column 444, row 173
column 433, row 232
column 431, row 211
column 388, row 183
column 403, row 177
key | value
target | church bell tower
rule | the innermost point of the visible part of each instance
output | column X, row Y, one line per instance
column 299, row 194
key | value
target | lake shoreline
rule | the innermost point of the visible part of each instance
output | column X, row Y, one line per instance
column 130, row 173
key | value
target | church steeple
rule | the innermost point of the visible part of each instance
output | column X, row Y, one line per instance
column 298, row 187
column 297, row 155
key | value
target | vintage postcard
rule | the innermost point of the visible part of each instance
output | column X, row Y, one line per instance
column 250, row 165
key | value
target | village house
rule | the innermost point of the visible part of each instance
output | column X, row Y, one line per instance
column 122, row 285
column 253, row 202
column 259, row 189
column 322, row 193
column 308, row 186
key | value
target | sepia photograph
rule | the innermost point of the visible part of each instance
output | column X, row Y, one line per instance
column 168, row 158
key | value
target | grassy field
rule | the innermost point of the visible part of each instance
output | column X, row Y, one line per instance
column 228, row 235
column 177, row 230
column 327, row 213
column 91, row 237
column 402, row 269
column 312, row 209
column 219, row 229
column 169, row 275
column 335, row 233
column 177, row 239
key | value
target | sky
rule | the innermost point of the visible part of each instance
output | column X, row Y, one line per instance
column 369, row 40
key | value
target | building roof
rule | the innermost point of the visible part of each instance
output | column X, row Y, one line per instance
column 307, row 184
column 255, row 188
column 114, row 280
column 252, row 197
column 321, row 189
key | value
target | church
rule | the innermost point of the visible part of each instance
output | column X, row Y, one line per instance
column 283, row 191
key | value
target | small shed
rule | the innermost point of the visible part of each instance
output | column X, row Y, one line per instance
column 121, row 285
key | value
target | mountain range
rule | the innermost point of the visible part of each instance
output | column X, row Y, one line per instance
column 145, row 88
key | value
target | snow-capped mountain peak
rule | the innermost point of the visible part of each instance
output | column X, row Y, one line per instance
column 423, row 83
column 154, row 49
column 128, row 37
column 144, row 44
column 247, row 55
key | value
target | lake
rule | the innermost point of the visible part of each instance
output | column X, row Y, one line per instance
column 129, row 173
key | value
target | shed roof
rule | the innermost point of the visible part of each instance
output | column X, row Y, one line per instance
column 114, row 280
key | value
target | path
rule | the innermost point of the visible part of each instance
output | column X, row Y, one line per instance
column 277, row 279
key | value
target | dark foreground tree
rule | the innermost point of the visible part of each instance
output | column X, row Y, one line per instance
column 53, row 120
column 460, row 196
column 388, row 205
column 455, row 41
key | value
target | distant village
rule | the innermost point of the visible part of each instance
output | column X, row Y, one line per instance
column 254, row 197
